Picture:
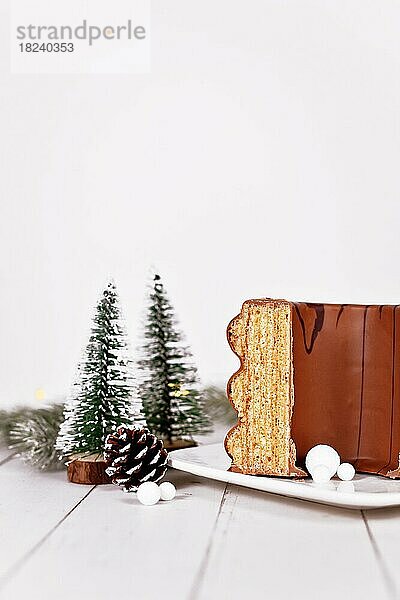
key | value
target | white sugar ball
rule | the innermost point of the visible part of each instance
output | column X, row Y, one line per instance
column 148, row 493
column 322, row 455
column 346, row 472
column 321, row 474
column 168, row 491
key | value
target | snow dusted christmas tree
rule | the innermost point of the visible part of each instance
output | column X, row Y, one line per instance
column 103, row 396
column 172, row 403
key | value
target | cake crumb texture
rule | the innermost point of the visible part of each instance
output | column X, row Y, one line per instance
column 262, row 390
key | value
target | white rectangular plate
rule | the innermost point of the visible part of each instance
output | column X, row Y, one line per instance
column 364, row 491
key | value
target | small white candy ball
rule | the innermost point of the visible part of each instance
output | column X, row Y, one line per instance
column 346, row 472
column 168, row 491
column 148, row 493
column 321, row 474
column 322, row 455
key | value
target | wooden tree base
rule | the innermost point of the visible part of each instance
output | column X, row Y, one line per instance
column 89, row 470
column 178, row 444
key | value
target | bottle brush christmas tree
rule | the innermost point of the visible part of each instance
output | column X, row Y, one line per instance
column 103, row 395
column 172, row 402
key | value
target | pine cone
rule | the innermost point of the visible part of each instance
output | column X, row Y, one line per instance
column 133, row 456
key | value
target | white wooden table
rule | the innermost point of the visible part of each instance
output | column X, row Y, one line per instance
column 63, row 541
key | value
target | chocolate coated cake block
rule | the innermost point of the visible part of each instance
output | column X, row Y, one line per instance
column 315, row 374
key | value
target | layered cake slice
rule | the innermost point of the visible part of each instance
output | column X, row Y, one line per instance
column 315, row 374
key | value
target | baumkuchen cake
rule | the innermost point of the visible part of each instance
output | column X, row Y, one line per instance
column 315, row 374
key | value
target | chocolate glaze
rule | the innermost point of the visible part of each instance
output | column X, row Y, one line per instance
column 346, row 383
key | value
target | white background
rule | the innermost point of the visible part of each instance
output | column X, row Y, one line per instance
column 260, row 157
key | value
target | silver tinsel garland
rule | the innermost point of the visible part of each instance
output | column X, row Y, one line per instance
column 33, row 435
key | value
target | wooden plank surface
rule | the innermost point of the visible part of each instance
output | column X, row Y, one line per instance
column 111, row 542
column 384, row 530
column 32, row 503
column 62, row 540
column 283, row 549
